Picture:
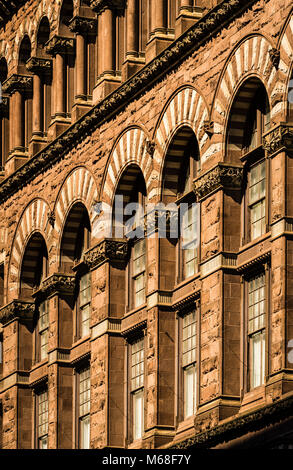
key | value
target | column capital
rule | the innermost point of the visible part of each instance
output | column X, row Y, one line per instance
column 223, row 176
column 60, row 45
column 57, row 283
column 39, row 65
column 83, row 25
column 17, row 310
column 17, row 83
column 279, row 139
column 100, row 5
column 106, row 250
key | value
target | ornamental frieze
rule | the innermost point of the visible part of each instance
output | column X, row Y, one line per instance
column 60, row 45
column 161, row 220
column 223, row 176
column 17, row 83
column 83, row 25
column 280, row 138
column 17, row 309
column 61, row 284
column 39, row 65
column 107, row 250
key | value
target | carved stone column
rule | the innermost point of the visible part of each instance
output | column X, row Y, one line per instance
column 108, row 77
column 4, row 134
column 160, row 35
column 187, row 16
column 17, row 86
column 41, row 68
column 133, row 62
column 86, row 31
column 59, row 47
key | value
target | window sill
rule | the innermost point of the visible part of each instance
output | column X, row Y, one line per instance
column 78, row 342
column 253, row 399
column 254, row 242
column 135, row 310
column 188, row 280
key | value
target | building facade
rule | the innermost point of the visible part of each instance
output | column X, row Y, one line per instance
column 154, row 340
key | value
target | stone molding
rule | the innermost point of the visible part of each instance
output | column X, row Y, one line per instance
column 107, row 250
column 83, row 25
column 39, row 65
column 18, row 83
column 58, row 283
column 275, row 57
column 60, row 45
column 261, row 260
column 278, row 139
column 169, row 219
column 192, row 300
column 190, row 41
column 223, row 176
column 17, row 309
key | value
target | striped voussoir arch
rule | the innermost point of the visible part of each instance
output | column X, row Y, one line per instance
column 34, row 219
column 131, row 148
column 286, row 54
column 186, row 108
column 251, row 58
column 79, row 186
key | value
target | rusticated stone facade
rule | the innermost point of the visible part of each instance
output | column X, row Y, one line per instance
column 91, row 110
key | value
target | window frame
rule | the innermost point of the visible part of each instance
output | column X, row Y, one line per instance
column 132, row 277
column 37, row 393
column 78, row 417
column 141, row 389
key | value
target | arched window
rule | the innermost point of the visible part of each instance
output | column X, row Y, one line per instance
column 4, row 117
column 132, row 189
column 249, row 120
column 34, row 270
column 182, row 165
column 45, row 78
column 27, row 101
column 75, row 241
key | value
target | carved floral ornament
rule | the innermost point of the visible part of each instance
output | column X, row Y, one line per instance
column 39, row 65
column 106, row 250
column 81, row 24
column 60, row 45
column 17, row 309
column 100, row 5
column 61, row 284
column 17, row 83
column 222, row 176
column 279, row 138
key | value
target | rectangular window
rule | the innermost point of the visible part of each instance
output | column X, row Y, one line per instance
column 137, row 388
column 190, row 241
column 43, row 330
column 256, row 330
column 85, row 304
column 42, row 420
column 138, row 272
column 189, row 362
column 257, row 200
column 84, row 393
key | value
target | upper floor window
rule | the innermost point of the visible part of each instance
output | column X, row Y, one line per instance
column 257, row 199
column 189, row 362
column 42, row 419
column 83, row 401
column 43, row 331
column 256, row 329
column 84, row 305
column 138, row 272
column 137, row 388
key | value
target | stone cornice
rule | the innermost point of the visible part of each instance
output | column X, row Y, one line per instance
column 17, row 309
column 278, row 139
column 58, row 283
column 83, row 25
column 190, row 41
column 192, row 300
column 39, row 65
column 241, row 425
column 100, row 5
column 107, row 250
column 222, row 176
column 17, row 83
column 60, row 45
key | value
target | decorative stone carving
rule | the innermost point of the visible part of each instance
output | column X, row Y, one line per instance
column 60, row 45
column 51, row 218
column 161, row 220
column 83, row 25
column 101, row 5
column 208, row 127
column 150, row 147
column 39, row 65
column 17, row 309
column 275, row 57
column 61, row 284
column 191, row 301
column 106, row 250
column 222, row 176
column 280, row 138
column 154, row 70
column 4, row 106
column 17, row 83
